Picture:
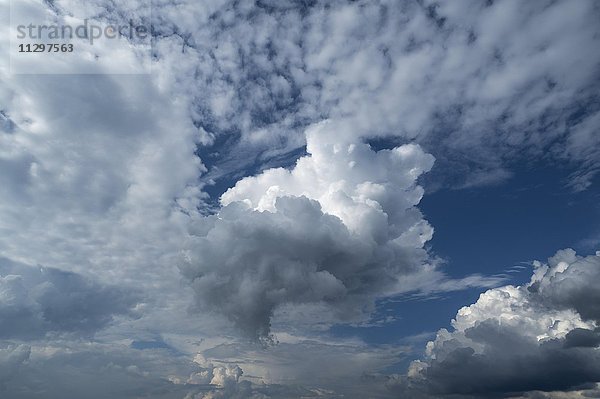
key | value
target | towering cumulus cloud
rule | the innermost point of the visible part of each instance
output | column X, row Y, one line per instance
column 338, row 229
column 543, row 336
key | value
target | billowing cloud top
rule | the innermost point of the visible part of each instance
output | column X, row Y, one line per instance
column 340, row 227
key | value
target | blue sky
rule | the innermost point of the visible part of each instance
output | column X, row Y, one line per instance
column 490, row 230
column 531, row 214
column 284, row 199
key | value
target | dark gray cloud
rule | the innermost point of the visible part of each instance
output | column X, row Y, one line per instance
column 511, row 364
column 297, row 254
column 339, row 237
column 36, row 301
column 582, row 338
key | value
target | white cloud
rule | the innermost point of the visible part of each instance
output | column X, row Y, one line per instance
column 478, row 86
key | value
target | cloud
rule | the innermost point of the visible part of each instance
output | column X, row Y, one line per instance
column 218, row 382
column 99, row 177
column 340, row 228
column 102, row 175
column 92, row 370
column 335, row 232
column 37, row 301
column 479, row 87
column 12, row 357
column 311, row 366
column 569, row 282
column 519, row 340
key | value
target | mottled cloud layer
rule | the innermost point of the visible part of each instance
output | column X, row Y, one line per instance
column 480, row 85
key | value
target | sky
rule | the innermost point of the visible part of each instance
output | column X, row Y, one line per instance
column 300, row 199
